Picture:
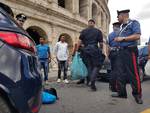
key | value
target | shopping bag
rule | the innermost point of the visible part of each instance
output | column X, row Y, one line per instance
column 147, row 68
column 78, row 68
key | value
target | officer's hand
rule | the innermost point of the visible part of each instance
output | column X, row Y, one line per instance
column 118, row 39
column 149, row 57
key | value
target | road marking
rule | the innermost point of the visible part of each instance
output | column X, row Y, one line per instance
column 146, row 111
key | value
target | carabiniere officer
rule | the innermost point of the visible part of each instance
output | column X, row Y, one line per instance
column 129, row 34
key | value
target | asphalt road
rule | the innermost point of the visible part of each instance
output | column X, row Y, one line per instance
column 79, row 99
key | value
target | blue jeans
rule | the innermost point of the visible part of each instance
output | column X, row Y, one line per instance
column 45, row 65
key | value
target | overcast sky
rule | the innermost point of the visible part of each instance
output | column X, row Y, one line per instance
column 140, row 10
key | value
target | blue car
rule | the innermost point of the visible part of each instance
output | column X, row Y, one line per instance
column 143, row 54
column 20, row 77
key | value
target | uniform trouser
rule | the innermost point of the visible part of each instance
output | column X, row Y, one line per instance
column 129, row 69
column 44, row 64
column 93, row 70
column 62, row 66
column 114, row 59
column 92, row 57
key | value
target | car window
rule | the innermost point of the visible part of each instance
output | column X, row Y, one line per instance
column 5, row 21
column 143, row 51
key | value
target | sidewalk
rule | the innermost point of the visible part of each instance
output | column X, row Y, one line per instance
column 53, row 73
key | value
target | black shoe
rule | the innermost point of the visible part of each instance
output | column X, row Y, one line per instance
column 88, row 83
column 93, row 88
column 119, row 96
column 138, row 99
column 80, row 82
column 111, row 88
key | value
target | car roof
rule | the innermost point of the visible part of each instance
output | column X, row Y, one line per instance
column 7, row 9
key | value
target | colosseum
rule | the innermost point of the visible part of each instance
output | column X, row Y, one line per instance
column 51, row 18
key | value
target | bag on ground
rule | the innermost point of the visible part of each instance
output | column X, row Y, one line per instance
column 147, row 68
column 78, row 68
column 48, row 98
column 52, row 91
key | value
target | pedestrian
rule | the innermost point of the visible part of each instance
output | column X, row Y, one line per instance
column 62, row 54
column 113, row 56
column 92, row 52
column 21, row 18
column 44, row 55
column 129, row 34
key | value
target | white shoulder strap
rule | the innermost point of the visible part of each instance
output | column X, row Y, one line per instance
column 122, row 29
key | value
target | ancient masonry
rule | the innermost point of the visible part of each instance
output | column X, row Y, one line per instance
column 51, row 18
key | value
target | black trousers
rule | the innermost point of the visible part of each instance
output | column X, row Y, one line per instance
column 93, row 65
column 93, row 70
column 93, row 58
column 62, row 66
column 114, row 59
column 128, row 69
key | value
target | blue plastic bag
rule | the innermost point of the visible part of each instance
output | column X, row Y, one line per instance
column 48, row 98
column 78, row 68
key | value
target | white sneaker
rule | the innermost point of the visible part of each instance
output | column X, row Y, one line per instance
column 46, row 82
column 58, row 80
column 66, row 81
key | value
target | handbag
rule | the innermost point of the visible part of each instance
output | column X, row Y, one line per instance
column 147, row 68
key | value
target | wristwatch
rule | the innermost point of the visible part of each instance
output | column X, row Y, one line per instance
column 124, row 39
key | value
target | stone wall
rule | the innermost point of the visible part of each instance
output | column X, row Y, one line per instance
column 47, row 19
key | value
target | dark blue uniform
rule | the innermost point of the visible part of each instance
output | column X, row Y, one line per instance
column 111, row 38
column 113, row 56
column 130, row 28
column 128, row 54
column 92, row 55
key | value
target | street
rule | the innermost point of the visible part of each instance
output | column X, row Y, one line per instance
column 64, row 39
column 79, row 99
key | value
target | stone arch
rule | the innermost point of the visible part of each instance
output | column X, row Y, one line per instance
column 69, row 41
column 94, row 12
column 83, row 8
column 36, row 32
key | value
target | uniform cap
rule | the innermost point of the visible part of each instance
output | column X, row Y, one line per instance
column 116, row 24
column 123, row 11
column 21, row 16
